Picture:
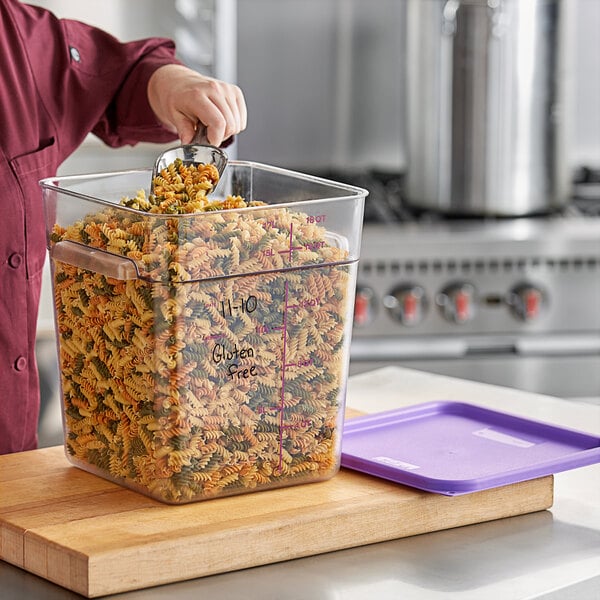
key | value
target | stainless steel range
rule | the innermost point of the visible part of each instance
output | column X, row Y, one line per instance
column 497, row 276
column 512, row 302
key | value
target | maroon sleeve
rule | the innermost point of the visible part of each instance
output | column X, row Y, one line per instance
column 88, row 81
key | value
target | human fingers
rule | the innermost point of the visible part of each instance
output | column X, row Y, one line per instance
column 225, row 114
column 182, row 98
column 184, row 126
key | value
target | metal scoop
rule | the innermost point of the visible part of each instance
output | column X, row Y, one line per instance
column 194, row 153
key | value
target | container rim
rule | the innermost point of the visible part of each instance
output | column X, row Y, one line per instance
column 352, row 191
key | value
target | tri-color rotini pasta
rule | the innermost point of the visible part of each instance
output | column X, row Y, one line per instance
column 221, row 367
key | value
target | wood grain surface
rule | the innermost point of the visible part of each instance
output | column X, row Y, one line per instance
column 96, row 538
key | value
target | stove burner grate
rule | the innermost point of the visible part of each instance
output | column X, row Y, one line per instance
column 386, row 203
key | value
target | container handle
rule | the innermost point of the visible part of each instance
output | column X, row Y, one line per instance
column 93, row 259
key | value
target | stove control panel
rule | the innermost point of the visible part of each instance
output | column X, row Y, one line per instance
column 463, row 279
column 365, row 306
column 457, row 302
column 492, row 305
column 526, row 301
column 406, row 304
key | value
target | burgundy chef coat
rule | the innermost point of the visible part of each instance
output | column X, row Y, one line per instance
column 59, row 80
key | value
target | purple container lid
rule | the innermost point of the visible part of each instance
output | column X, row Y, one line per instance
column 454, row 448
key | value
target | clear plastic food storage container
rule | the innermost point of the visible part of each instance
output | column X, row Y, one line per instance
column 204, row 355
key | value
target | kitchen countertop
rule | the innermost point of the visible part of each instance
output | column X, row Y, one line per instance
column 550, row 555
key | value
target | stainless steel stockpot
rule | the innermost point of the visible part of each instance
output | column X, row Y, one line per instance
column 485, row 106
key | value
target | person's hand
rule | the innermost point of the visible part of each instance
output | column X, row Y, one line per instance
column 183, row 99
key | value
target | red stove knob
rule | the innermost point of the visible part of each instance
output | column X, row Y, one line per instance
column 407, row 304
column 526, row 301
column 364, row 306
column 457, row 302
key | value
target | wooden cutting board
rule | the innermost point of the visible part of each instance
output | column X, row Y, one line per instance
column 97, row 538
